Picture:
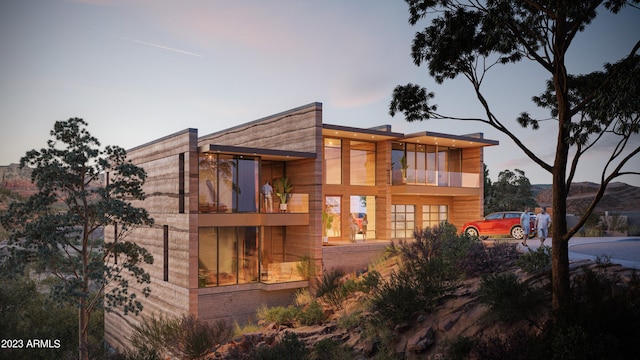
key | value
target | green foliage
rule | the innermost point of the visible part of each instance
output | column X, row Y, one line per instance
column 460, row 36
column 28, row 314
column 312, row 314
column 57, row 226
column 289, row 348
column 512, row 191
column 196, row 338
column 280, row 315
column 329, row 288
column 535, row 261
column 309, row 314
column 329, row 349
column 431, row 269
column 282, row 188
column 459, row 348
column 187, row 336
column 507, row 298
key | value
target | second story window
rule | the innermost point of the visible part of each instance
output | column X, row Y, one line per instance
column 332, row 161
column 362, row 163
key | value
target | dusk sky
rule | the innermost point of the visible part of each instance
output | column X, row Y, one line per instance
column 137, row 70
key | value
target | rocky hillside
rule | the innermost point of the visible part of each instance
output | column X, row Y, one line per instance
column 428, row 335
column 618, row 197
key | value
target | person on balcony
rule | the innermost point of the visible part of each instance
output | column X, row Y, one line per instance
column 267, row 190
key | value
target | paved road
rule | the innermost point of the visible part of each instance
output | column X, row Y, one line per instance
column 621, row 250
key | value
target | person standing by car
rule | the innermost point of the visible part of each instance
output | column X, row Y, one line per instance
column 543, row 220
column 525, row 223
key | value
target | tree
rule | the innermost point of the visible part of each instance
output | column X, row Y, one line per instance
column 59, row 226
column 471, row 38
column 512, row 191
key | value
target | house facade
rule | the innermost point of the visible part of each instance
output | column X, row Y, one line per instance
column 223, row 245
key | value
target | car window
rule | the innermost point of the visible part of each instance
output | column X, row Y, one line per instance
column 511, row 215
column 494, row 216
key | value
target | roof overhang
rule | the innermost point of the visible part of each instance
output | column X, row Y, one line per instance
column 373, row 134
column 458, row 141
column 264, row 154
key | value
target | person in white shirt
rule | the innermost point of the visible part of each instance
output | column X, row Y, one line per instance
column 543, row 220
column 525, row 223
column 267, row 190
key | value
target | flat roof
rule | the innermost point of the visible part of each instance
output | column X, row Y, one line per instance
column 459, row 141
column 425, row 137
column 377, row 133
column 265, row 154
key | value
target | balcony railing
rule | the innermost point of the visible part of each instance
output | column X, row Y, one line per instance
column 435, row 178
column 298, row 204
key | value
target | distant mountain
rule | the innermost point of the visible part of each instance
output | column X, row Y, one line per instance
column 617, row 197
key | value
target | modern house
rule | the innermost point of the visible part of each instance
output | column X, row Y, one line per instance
column 222, row 249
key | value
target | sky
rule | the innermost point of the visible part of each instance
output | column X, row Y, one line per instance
column 138, row 70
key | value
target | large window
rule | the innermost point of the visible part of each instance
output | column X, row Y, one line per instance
column 228, row 183
column 232, row 255
column 362, row 163
column 363, row 209
column 426, row 164
column 433, row 215
column 402, row 221
column 227, row 255
column 332, row 161
column 332, row 205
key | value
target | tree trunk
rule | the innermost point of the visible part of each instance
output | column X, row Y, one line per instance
column 83, row 336
column 560, row 285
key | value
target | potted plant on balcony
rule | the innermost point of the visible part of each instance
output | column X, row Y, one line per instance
column 403, row 168
column 327, row 220
column 282, row 188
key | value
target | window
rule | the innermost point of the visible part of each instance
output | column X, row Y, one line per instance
column 332, row 207
column 443, row 166
column 228, row 183
column 433, row 215
column 398, row 163
column 332, row 161
column 402, row 221
column 455, row 167
column 165, row 229
column 364, row 209
column 227, row 256
column 362, row 163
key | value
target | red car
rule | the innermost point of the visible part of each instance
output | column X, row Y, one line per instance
column 499, row 223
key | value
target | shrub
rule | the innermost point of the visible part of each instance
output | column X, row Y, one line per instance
column 280, row 315
column 289, row 348
column 536, row 261
column 196, row 338
column 329, row 288
column 187, row 336
column 312, row 314
column 369, row 281
column 398, row 298
column 480, row 259
column 329, row 349
column 507, row 298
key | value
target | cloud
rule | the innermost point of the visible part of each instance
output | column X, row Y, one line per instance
column 161, row 47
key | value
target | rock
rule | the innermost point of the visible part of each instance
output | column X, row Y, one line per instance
column 402, row 327
column 420, row 341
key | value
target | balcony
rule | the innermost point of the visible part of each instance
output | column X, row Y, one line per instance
column 297, row 213
column 435, row 178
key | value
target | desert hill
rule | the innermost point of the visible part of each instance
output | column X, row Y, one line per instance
column 617, row 197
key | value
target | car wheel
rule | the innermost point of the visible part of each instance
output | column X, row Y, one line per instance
column 472, row 232
column 517, row 233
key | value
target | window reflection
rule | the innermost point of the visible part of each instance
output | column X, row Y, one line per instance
column 362, row 163
column 332, row 161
